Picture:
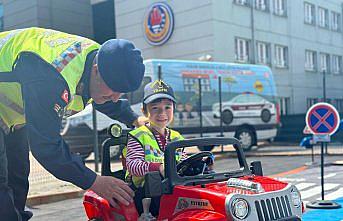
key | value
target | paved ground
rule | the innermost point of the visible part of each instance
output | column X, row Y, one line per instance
column 305, row 180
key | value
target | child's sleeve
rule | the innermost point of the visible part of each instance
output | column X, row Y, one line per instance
column 135, row 159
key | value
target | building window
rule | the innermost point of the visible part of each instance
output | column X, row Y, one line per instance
column 336, row 64
column 261, row 5
column 284, row 104
column 310, row 60
column 309, row 13
column 336, row 21
column 324, row 62
column 323, row 17
column 1, row 17
column 281, row 56
column 242, row 50
column 263, row 53
column 280, row 7
column 242, row 2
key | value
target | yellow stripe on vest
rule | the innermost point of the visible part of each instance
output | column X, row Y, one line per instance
column 15, row 107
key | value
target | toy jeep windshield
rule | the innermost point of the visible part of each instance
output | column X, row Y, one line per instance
column 190, row 192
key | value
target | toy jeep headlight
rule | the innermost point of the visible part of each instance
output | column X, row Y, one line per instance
column 115, row 130
column 240, row 208
column 295, row 198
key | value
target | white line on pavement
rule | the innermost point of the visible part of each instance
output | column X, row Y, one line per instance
column 334, row 195
column 302, row 186
column 327, row 176
column 317, row 190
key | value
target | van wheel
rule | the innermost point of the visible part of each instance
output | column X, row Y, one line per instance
column 246, row 137
column 205, row 148
column 227, row 116
column 265, row 115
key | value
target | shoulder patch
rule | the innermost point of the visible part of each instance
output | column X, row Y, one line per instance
column 65, row 96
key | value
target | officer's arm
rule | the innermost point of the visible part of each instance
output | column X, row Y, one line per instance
column 44, row 105
column 120, row 110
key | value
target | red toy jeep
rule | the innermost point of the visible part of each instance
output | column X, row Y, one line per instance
column 189, row 193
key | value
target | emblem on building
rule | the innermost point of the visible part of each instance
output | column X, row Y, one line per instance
column 158, row 23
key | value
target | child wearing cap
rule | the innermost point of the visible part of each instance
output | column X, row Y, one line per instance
column 146, row 144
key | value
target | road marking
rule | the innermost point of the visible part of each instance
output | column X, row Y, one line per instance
column 208, row 120
column 317, row 190
column 286, row 179
column 328, row 176
column 302, row 186
column 297, row 170
column 334, row 195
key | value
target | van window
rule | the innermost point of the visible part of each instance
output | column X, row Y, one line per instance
column 137, row 96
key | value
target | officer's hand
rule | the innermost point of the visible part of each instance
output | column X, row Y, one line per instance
column 140, row 121
column 113, row 190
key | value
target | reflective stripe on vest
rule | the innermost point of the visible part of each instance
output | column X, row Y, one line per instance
column 4, row 40
column 151, row 149
column 15, row 107
column 3, row 126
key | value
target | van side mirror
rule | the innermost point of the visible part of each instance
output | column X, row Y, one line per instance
column 256, row 168
column 153, row 184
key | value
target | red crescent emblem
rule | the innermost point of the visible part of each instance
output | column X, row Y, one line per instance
column 65, row 96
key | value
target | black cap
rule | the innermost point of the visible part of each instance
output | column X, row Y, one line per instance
column 157, row 89
column 120, row 64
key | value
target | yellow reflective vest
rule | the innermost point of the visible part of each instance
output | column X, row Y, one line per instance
column 65, row 52
column 152, row 150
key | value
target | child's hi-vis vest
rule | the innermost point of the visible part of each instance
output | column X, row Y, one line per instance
column 152, row 151
column 65, row 52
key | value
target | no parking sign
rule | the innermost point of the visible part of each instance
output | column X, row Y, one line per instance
column 322, row 119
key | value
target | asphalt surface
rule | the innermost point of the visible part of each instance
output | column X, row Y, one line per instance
column 281, row 162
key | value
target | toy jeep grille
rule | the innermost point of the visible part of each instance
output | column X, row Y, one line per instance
column 273, row 208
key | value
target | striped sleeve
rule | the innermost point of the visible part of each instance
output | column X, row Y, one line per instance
column 135, row 161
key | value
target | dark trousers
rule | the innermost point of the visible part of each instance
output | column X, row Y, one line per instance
column 154, row 206
column 14, row 173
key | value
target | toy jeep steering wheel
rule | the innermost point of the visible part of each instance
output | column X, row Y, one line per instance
column 193, row 165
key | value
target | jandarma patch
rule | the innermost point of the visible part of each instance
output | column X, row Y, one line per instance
column 65, row 96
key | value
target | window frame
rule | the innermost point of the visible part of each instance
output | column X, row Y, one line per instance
column 321, row 16
column 335, row 16
column 327, row 62
column 336, row 66
column 239, row 50
column 308, row 66
column 280, row 7
column 266, row 52
column 312, row 19
column 242, row 2
column 262, row 7
column 282, row 57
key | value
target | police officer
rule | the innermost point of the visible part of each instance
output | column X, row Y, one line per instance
column 43, row 74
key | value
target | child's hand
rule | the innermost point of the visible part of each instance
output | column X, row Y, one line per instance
column 161, row 169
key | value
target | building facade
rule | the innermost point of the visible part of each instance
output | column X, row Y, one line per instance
column 299, row 40
column 65, row 15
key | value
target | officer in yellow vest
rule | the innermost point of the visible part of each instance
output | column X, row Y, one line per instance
column 43, row 74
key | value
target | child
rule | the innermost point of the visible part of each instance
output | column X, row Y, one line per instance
column 146, row 144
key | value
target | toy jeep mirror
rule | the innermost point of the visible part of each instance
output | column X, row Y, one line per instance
column 256, row 168
column 153, row 184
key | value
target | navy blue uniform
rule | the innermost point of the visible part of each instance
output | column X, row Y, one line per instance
column 43, row 88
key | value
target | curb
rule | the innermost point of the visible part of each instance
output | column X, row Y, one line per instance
column 51, row 198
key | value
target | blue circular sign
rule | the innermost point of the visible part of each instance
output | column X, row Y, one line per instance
column 322, row 119
column 158, row 23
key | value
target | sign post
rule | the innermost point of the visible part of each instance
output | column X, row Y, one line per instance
column 322, row 120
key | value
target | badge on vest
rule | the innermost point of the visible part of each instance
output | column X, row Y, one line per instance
column 59, row 110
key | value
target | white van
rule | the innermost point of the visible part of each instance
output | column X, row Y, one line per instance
column 245, row 100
